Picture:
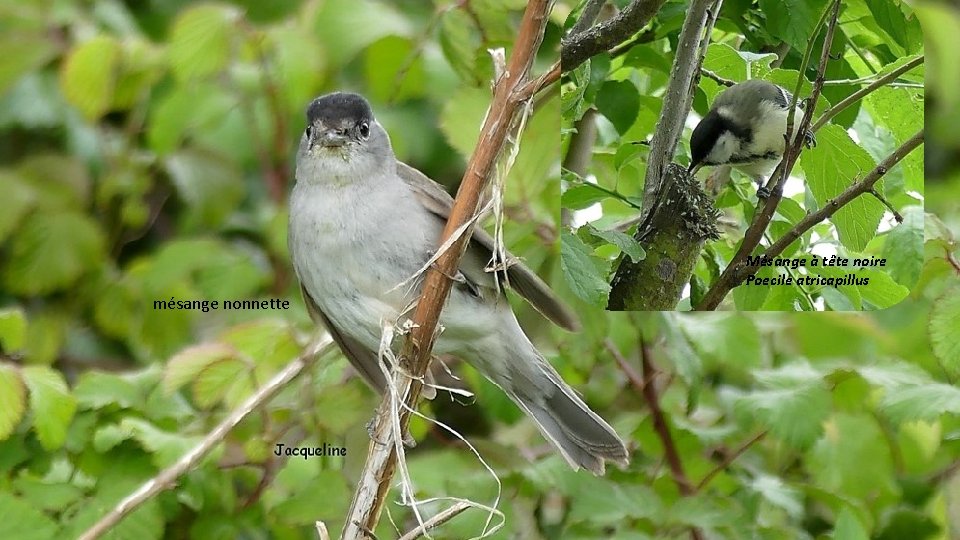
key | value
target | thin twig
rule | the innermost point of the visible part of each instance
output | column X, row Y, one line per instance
column 859, row 94
column 577, row 49
column 437, row 520
column 883, row 200
column 167, row 478
column 588, row 16
column 767, row 207
column 720, row 80
column 533, row 87
column 729, row 459
column 511, row 93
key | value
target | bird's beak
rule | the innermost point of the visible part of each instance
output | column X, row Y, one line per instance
column 332, row 138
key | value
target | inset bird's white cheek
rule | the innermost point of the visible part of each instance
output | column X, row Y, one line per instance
column 727, row 145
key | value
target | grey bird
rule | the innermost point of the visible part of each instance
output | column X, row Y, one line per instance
column 745, row 129
column 362, row 223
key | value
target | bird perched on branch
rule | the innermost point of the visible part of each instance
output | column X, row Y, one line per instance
column 362, row 224
column 745, row 129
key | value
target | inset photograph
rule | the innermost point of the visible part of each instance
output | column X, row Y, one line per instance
column 759, row 156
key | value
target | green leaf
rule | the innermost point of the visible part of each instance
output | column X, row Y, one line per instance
column 58, row 181
column 306, row 506
column 848, row 527
column 394, row 70
column 903, row 247
column 777, row 492
column 623, row 241
column 582, row 196
column 750, row 297
column 603, row 501
column 725, row 338
column 882, row 291
column 907, row 522
column 900, row 111
column 922, row 402
column 853, row 459
column 45, row 494
column 89, row 75
column 13, row 399
column 51, row 251
column 943, row 328
column 585, row 273
column 45, row 336
column 23, row 521
column 209, row 184
column 218, row 379
column 571, row 100
column 13, row 329
column 271, row 342
column 831, row 167
column 619, row 101
column 725, row 61
column 793, row 413
column 201, row 40
column 185, row 366
column 95, row 390
column 891, row 19
column 165, row 447
column 18, row 198
column 460, row 42
column 51, row 403
column 185, row 110
column 345, row 27
column 23, row 52
column 350, row 401
column 462, row 117
column 793, row 20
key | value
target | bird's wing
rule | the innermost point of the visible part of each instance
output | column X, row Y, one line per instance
column 365, row 361
column 527, row 284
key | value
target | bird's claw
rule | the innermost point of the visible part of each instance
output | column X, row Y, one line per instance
column 809, row 140
column 763, row 192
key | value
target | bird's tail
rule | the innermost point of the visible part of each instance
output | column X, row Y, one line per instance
column 582, row 437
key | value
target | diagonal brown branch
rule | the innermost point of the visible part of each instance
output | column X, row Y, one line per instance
column 511, row 91
column 728, row 460
column 833, row 205
column 767, row 207
column 647, row 387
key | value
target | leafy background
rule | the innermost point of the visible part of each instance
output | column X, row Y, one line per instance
column 146, row 152
column 764, row 40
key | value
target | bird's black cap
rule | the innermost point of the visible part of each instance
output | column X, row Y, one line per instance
column 333, row 109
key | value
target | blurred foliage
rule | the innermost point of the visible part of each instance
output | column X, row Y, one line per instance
column 766, row 40
column 147, row 152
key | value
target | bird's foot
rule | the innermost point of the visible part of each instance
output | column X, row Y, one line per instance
column 809, row 140
column 763, row 192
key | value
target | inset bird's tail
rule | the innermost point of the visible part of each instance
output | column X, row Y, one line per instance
column 582, row 437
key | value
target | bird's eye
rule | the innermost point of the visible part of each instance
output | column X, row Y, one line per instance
column 309, row 131
column 364, row 128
